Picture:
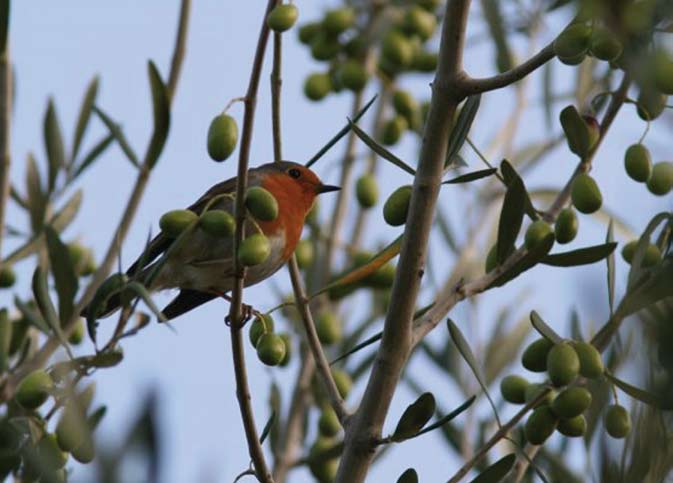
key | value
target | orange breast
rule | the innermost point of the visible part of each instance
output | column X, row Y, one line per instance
column 292, row 209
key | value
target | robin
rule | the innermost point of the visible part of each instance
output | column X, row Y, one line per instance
column 203, row 267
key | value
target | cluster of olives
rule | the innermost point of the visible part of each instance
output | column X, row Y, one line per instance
column 562, row 411
column 254, row 249
column 580, row 39
column 638, row 164
column 339, row 40
column 272, row 349
column 44, row 455
column 651, row 256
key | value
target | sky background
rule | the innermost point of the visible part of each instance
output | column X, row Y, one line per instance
column 57, row 47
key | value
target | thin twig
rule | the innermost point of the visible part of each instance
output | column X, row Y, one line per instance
column 276, row 85
column 5, row 121
column 180, row 48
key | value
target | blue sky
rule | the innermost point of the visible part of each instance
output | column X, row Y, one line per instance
column 58, row 47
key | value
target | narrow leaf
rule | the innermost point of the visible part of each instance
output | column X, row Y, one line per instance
column 44, row 303
column 267, row 427
column 93, row 155
column 462, row 128
column 511, row 218
column 116, row 131
column 452, row 415
column 636, row 264
column 31, row 315
column 53, row 141
column 35, row 196
column 581, row 256
column 337, row 137
column 510, row 174
column 529, row 260
column 409, row 476
column 367, row 342
column 63, row 270
column 497, row 471
column 415, row 417
column 140, row 290
column 162, row 116
column 380, row 150
column 84, row 116
column 636, row 393
column 610, row 262
column 654, row 288
column 465, row 351
column 544, row 330
column 466, row 178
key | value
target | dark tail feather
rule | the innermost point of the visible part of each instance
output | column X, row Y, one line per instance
column 186, row 301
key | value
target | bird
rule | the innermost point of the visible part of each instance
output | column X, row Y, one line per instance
column 202, row 268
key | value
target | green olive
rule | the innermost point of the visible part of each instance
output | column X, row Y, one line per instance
column 304, row 253
column 424, row 61
column 563, row 364
column 343, row 382
column 328, row 424
column 7, row 276
column 591, row 364
column 533, row 391
column 638, row 163
column 222, row 137
column 396, row 207
column 573, row 43
column 217, row 223
column 585, row 194
column 662, row 67
column 406, row 106
column 534, row 358
column 254, row 250
column 393, row 130
column 339, row 20
column 328, row 327
column 661, row 180
column 397, row 49
column 566, row 226
column 367, row 191
column 540, row 425
column 513, row 389
column 262, row 324
column 577, row 131
column 34, row 389
column 651, row 103
column 617, row 421
column 174, row 222
column 77, row 334
column 353, row 75
column 308, row 31
column 317, row 86
column 537, row 233
column 282, row 17
column 261, row 203
column 573, row 427
column 605, row 45
column 51, row 456
column 324, row 46
column 288, row 349
column 271, row 349
column 418, row 21
column 572, row 402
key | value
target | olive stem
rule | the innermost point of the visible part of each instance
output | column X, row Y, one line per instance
column 5, row 125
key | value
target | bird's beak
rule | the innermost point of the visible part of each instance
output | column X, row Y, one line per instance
column 325, row 188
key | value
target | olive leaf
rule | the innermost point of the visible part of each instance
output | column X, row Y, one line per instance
column 544, row 330
column 4, row 25
column 63, row 270
column 636, row 264
column 31, row 315
column 53, row 141
column 654, row 288
column 610, row 262
column 275, row 405
column 511, row 218
column 475, row 175
column 636, row 393
column 496, row 26
column 581, row 256
column 267, row 427
column 445, row 419
column 337, row 137
column 465, row 351
column 115, row 130
column 111, row 287
column 161, row 115
column 92, row 155
column 462, row 128
column 141, row 291
column 528, row 261
column 358, row 347
column 380, row 150
column 497, row 471
column 509, row 174
column 414, row 417
column 36, row 198
column 409, row 476
column 44, row 303
column 84, row 116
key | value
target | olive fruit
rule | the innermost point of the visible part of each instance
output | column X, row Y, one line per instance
column 566, row 226
column 175, row 222
column 397, row 49
column 304, row 253
column 577, row 131
column 254, row 250
column 218, row 223
column 540, row 425
column 605, row 45
column 323, row 469
column 393, row 130
column 263, row 324
column 591, row 364
column 585, row 194
column 534, row 358
column 339, row 20
column 271, row 349
column 572, row 402
column 573, row 427
column 572, row 44
column 7, row 276
column 418, row 21
column 638, row 163
column 629, row 250
column 324, row 46
column 661, row 180
column 367, row 191
column 77, row 334
column 563, row 364
column 429, row 5
column 308, row 31
column 353, row 75
column 85, row 452
column 537, row 233
column 317, row 86
column 282, row 17
column 424, row 61
column 651, row 103
column 328, row 424
column 405, row 105
column 533, row 391
column 328, row 327
column 222, row 137
column 288, row 349
column 261, row 203
column 617, row 421
column 396, row 207
column 513, row 389
column 343, row 382
column 663, row 72
column 51, row 456
column 651, row 257
column 492, row 259
column 33, row 390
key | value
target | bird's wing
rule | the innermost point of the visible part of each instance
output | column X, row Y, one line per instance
column 185, row 301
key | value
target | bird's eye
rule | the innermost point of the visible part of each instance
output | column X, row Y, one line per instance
column 294, row 172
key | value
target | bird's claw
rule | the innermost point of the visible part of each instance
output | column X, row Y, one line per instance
column 247, row 313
